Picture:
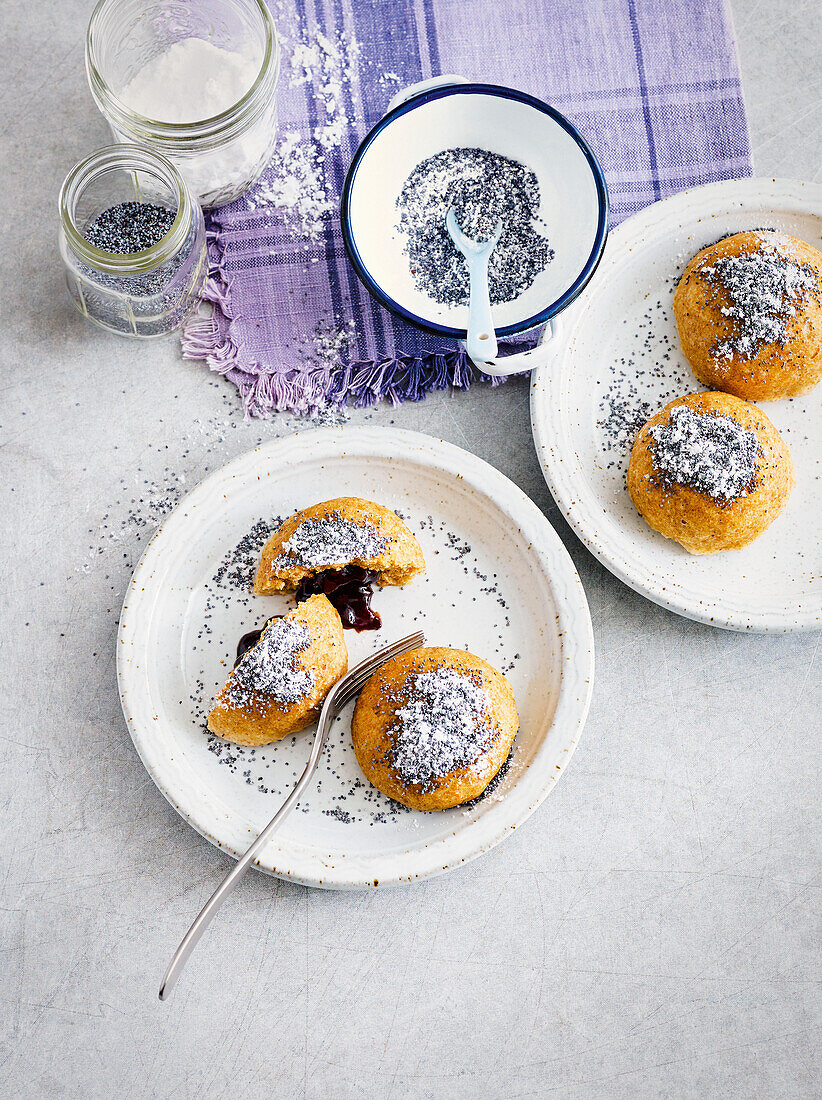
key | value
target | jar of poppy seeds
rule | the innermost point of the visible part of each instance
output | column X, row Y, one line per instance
column 133, row 242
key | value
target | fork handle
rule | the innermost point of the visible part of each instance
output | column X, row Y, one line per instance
column 481, row 343
column 203, row 919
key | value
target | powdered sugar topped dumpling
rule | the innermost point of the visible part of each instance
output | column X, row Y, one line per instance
column 710, row 471
column 344, row 533
column 749, row 314
column 282, row 676
column 432, row 728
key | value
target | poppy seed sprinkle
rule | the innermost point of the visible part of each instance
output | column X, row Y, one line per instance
column 444, row 723
column 706, row 451
column 765, row 290
column 130, row 227
column 483, row 188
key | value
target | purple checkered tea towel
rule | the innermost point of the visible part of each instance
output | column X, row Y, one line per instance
column 653, row 85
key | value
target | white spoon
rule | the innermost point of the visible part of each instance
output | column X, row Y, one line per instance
column 481, row 343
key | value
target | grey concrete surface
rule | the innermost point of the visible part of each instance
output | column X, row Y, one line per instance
column 652, row 931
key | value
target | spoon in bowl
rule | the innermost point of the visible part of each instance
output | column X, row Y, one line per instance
column 481, row 343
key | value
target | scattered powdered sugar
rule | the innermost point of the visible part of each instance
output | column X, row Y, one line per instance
column 296, row 187
column 296, row 183
column 443, row 725
column 270, row 667
column 327, row 62
column 300, row 188
column 484, row 188
column 765, row 288
column 330, row 540
column 331, row 341
column 331, row 65
column 321, row 353
column 706, row 451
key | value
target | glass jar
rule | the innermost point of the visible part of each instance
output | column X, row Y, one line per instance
column 218, row 157
column 146, row 293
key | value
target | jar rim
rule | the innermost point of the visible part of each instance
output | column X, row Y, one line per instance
column 127, row 158
column 188, row 134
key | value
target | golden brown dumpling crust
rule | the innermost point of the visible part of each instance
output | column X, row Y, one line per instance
column 369, row 535
column 375, row 726
column 776, row 352
column 699, row 522
column 251, row 717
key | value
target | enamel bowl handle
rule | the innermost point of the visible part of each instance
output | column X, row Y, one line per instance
column 539, row 356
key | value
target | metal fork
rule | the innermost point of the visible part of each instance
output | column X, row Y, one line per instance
column 340, row 694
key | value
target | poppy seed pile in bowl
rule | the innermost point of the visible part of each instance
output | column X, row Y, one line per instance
column 484, row 188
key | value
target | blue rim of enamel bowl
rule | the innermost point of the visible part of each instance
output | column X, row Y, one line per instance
column 420, row 100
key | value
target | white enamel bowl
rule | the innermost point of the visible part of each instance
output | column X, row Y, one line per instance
column 426, row 120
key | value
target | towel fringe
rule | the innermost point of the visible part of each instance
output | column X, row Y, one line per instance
column 308, row 390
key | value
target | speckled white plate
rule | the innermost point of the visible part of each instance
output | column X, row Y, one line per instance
column 499, row 583
column 619, row 359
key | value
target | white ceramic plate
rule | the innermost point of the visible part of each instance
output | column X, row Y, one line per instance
column 499, row 583
column 620, row 362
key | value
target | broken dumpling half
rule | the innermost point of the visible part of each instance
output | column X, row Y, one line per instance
column 338, row 548
column 282, row 675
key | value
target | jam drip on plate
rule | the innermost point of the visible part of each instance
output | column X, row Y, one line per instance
column 349, row 590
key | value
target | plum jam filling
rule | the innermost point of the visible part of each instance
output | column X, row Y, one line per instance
column 349, row 590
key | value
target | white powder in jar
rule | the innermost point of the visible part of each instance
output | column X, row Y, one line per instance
column 195, row 80
column 191, row 81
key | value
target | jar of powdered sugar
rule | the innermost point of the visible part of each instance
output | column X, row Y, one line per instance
column 196, row 82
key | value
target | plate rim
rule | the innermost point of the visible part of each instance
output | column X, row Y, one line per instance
column 574, row 628
column 544, row 402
